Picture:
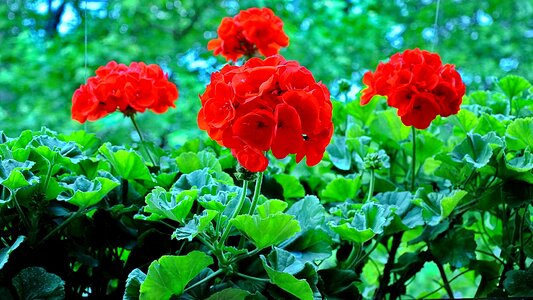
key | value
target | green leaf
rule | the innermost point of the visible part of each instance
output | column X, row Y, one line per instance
column 292, row 188
column 270, row 207
column 300, row 288
column 464, row 121
column 127, row 164
column 169, row 275
column 438, row 206
column 87, row 141
column 369, row 220
column 513, row 85
column 4, row 252
column 15, row 175
column 51, row 148
column 314, row 244
column 197, row 225
column 133, row 285
column 340, row 284
column 36, row 283
column 408, row 213
column 269, row 231
column 341, row 189
column 363, row 113
column 457, row 248
column 387, row 126
column 521, row 163
column 519, row 283
column 339, row 154
column 309, row 213
column 233, row 294
column 203, row 181
column 217, row 202
column 488, row 123
column 518, row 135
column 83, row 192
column 172, row 205
column 349, row 233
column 190, row 161
column 427, row 145
column 474, row 150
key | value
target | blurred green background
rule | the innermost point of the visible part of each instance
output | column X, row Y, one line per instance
column 42, row 46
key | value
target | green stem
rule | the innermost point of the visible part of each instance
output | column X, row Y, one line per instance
column 204, row 280
column 243, row 256
column 354, row 255
column 21, row 213
column 372, row 182
column 257, row 192
column 132, row 117
column 255, row 198
column 413, row 161
column 445, row 281
column 60, row 226
column 253, row 278
column 227, row 230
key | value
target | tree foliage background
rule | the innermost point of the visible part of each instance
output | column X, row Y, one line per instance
column 42, row 53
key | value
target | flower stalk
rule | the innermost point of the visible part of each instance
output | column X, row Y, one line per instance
column 413, row 160
column 141, row 138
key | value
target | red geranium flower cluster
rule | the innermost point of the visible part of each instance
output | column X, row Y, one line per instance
column 418, row 85
column 270, row 104
column 250, row 31
column 130, row 89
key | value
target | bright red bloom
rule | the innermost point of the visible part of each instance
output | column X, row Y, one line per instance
column 252, row 30
column 269, row 104
column 418, row 85
column 129, row 89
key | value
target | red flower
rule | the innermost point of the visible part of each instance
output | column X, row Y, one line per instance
column 418, row 85
column 252, row 30
column 269, row 104
column 130, row 89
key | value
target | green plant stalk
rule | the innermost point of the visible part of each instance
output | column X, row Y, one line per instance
column 354, row 256
column 227, row 230
column 255, row 198
column 372, row 183
column 141, row 138
column 253, row 278
column 257, row 192
column 384, row 280
column 60, row 226
column 413, row 161
column 245, row 255
column 212, row 275
column 48, row 176
column 21, row 213
column 445, row 281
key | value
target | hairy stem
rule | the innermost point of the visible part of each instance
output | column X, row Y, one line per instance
column 212, row 275
column 237, row 210
column 413, row 161
column 445, row 281
column 383, row 288
column 141, row 138
column 372, row 183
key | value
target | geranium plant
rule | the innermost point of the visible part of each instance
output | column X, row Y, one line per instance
column 235, row 214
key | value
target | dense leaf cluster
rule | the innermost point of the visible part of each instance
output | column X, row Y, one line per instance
column 82, row 217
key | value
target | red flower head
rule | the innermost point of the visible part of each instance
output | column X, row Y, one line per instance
column 129, row 89
column 418, row 85
column 252, row 30
column 269, row 104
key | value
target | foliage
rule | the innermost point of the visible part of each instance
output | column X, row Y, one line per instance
column 88, row 214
